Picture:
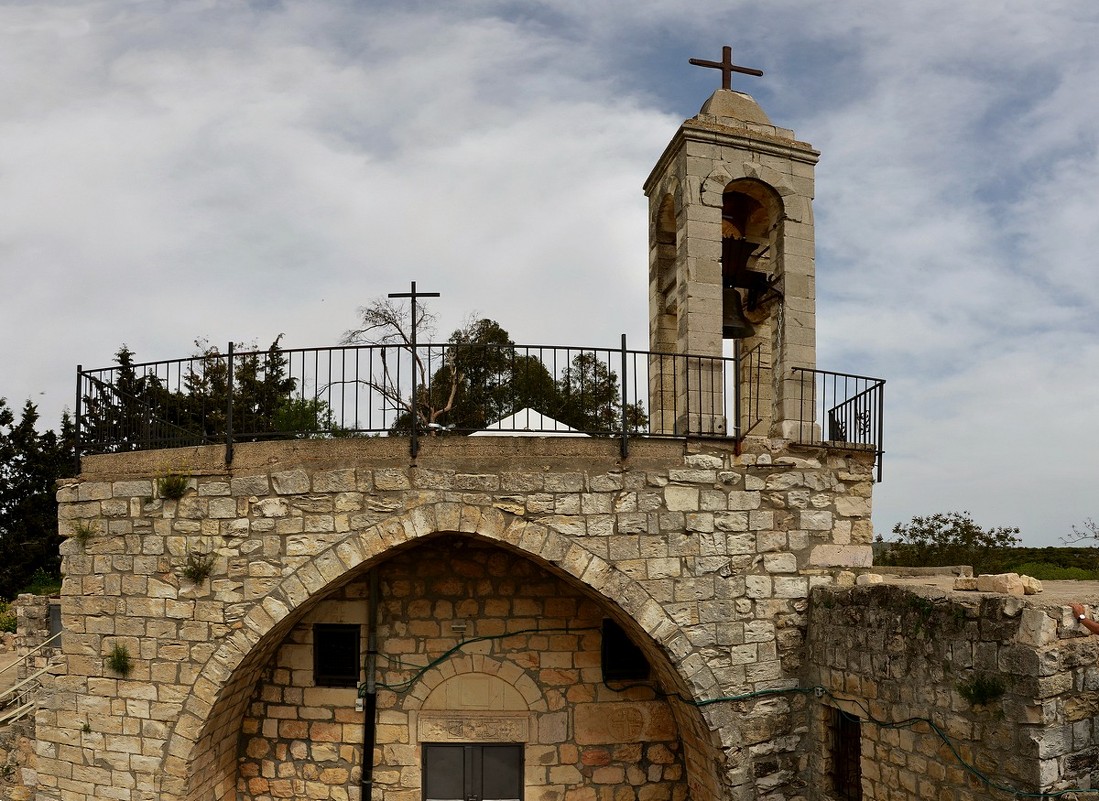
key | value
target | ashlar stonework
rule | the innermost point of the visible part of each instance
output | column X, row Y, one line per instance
column 704, row 556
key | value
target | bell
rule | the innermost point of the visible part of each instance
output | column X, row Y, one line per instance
column 734, row 325
column 735, row 254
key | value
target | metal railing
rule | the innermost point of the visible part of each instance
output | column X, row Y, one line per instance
column 849, row 408
column 21, row 698
column 379, row 390
column 453, row 389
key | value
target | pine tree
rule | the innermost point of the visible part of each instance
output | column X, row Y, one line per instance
column 30, row 464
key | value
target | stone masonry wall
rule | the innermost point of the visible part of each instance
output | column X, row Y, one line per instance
column 18, row 762
column 304, row 741
column 887, row 654
column 709, row 556
column 300, row 740
column 32, row 629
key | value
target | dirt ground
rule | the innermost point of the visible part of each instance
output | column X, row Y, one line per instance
column 8, row 677
column 1053, row 594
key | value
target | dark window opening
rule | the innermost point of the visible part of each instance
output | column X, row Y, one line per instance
column 622, row 660
column 55, row 619
column 335, row 655
column 473, row 772
column 845, row 732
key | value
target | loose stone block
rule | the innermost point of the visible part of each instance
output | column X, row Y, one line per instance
column 865, row 579
column 1009, row 583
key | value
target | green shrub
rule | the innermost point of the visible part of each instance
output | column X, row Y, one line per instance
column 43, row 583
column 950, row 538
column 7, row 617
column 1045, row 571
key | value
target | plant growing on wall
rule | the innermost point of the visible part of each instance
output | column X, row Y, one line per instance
column 172, row 485
column 82, row 532
column 982, row 689
column 118, row 661
column 198, row 566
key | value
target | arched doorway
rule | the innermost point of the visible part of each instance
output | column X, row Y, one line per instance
column 483, row 653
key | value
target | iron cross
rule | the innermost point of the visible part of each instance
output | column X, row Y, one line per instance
column 726, row 66
column 414, row 441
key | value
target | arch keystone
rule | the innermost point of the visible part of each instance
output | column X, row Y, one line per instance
column 448, row 516
column 423, row 520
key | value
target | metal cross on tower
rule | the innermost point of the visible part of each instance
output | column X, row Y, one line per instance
column 726, row 66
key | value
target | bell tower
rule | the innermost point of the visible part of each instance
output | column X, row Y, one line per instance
column 731, row 270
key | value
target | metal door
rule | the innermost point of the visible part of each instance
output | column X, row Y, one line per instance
column 473, row 772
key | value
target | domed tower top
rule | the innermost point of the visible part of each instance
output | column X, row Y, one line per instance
column 731, row 258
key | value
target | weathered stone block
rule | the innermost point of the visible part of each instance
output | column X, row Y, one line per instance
column 1009, row 583
column 864, row 579
column 250, row 485
column 842, row 556
column 290, row 482
column 681, row 499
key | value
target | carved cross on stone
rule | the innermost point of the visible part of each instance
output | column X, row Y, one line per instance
column 726, row 66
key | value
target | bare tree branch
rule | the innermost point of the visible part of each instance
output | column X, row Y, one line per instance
column 386, row 323
column 1088, row 530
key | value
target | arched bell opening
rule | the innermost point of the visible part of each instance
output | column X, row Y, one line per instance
column 663, row 276
column 751, row 216
column 479, row 644
column 664, row 322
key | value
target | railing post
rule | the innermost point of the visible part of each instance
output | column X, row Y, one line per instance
column 79, row 417
column 687, row 394
column 736, row 389
column 881, row 426
column 414, row 441
column 229, row 409
column 625, row 398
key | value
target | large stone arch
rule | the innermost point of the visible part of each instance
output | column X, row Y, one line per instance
column 201, row 750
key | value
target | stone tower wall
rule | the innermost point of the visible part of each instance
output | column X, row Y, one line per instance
column 709, row 152
column 707, row 555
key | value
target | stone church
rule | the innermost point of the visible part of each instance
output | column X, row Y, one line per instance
column 557, row 618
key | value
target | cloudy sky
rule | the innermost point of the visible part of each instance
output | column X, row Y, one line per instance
column 234, row 170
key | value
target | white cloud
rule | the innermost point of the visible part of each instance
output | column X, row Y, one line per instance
column 234, row 170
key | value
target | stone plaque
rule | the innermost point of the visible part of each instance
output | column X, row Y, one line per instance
column 623, row 722
column 471, row 727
